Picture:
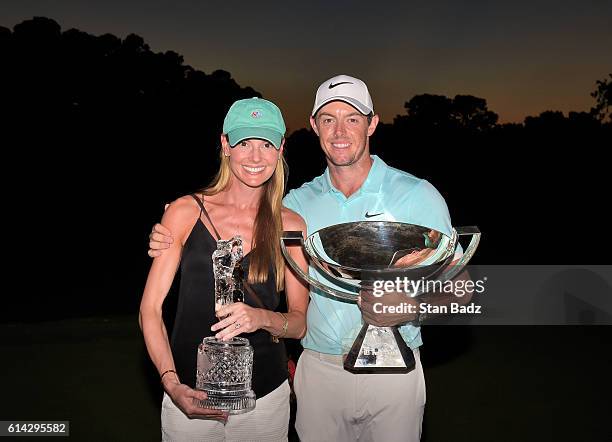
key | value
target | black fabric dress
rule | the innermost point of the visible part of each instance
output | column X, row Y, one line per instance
column 196, row 314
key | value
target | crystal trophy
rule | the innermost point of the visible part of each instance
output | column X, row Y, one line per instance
column 225, row 368
column 355, row 255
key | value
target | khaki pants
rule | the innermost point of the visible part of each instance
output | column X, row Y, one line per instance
column 335, row 405
column 268, row 422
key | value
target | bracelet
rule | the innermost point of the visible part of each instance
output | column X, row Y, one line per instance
column 285, row 325
column 161, row 378
column 275, row 338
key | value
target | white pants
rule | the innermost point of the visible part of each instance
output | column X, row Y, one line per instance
column 335, row 405
column 268, row 422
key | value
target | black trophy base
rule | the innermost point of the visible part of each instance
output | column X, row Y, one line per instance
column 379, row 350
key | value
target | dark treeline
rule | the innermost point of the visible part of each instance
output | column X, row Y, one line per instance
column 107, row 131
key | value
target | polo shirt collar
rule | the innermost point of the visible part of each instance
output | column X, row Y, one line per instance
column 372, row 183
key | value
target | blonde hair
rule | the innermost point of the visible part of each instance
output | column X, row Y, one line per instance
column 268, row 221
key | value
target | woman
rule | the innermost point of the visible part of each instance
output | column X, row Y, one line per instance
column 244, row 199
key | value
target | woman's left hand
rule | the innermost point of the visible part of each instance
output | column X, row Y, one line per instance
column 242, row 319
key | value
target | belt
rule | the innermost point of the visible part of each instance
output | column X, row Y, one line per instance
column 324, row 357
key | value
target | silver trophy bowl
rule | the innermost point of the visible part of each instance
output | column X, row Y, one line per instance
column 353, row 256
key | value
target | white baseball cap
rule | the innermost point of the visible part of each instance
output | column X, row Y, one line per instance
column 345, row 88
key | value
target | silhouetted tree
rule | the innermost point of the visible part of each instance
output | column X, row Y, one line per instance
column 583, row 122
column 430, row 111
column 555, row 124
column 471, row 113
column 603, row 95
column 39, row 31
column 437, row 112
column 547, row 121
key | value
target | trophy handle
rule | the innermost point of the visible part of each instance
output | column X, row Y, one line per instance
column 465, row 258
column 296, row 238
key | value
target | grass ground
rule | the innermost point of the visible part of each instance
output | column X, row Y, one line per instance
column 483, row 384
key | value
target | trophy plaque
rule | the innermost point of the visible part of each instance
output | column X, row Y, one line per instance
column 355, row 255
column 225, row 368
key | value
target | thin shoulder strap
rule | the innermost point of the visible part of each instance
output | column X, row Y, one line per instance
column 203, row 211
column 193, row 195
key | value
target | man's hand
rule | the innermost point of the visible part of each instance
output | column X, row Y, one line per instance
column 376, row 310
column 160, row 239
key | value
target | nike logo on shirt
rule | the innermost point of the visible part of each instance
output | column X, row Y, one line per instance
column 368, row 215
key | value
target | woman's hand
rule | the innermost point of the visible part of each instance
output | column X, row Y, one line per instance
column 242, row 319
column 186, row 398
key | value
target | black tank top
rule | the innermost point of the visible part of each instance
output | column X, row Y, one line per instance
column 196, row 313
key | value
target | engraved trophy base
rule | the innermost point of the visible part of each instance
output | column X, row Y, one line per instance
column 379, row 350
column 230, row 403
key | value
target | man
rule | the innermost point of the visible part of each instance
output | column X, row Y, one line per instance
column 334, row 404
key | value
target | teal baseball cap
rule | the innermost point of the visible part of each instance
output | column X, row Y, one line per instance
column 254, row 118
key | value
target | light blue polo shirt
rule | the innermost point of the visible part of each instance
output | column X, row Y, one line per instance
column 398, row 196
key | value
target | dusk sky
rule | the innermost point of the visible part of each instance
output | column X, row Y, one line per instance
column 524, row 57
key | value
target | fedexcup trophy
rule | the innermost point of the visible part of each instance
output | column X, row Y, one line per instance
column 225, row 368
column 364, row 255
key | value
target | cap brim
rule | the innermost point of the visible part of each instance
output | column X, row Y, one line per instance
column 365, row 110
column 244, row 133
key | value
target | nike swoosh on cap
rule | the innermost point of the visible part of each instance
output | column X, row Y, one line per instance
column 332, row 85
column 368, row 215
